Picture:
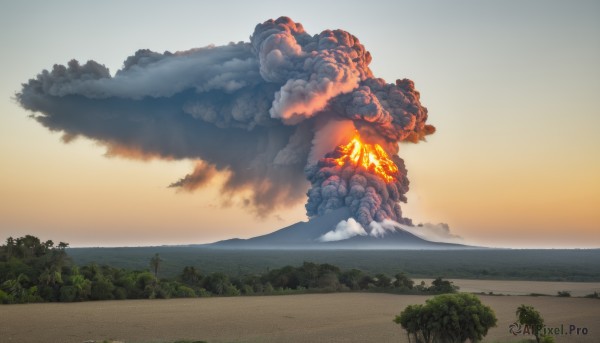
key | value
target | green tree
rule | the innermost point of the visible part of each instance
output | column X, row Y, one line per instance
column 191, row 276
column 82, row 287
column 329, row 282
column 351, row 278
column 366, row 282
column 249, row 284
column 217, row 283
column 527, row 315
column 309, row 274
column 382, row 281
column 268, row 289
column 9, row 248
column 102, row 288
column 33, row 268
column 440, row 285
column 403, row 282
column 447, row 318
column 155, row 264
column 16, row 288
column 51, row 277
column 144, row 285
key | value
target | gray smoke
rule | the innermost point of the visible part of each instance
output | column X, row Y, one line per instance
column 251, row 110
column 434, row 232
column 201, row 175
column 369, row 197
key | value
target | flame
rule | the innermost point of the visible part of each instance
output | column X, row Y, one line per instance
column 369, row 156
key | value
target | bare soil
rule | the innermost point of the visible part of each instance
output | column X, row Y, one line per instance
column 514, row 287
column 339, row 317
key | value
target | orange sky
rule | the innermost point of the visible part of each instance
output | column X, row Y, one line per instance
column 511, row 88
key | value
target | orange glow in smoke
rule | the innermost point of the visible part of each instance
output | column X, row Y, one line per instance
column 369, row 156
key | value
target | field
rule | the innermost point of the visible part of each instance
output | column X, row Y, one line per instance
column 340, row 317
column 490, row 264
column 514, row 287
column 335, row 317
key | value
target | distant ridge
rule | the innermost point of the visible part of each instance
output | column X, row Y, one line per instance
column 305, row 235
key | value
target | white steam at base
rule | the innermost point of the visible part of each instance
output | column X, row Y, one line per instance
column 431, row 232
column 344, row 230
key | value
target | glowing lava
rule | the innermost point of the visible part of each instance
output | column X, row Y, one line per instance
column 369, row 156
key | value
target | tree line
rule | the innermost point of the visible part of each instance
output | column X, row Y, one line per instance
column 35, row 271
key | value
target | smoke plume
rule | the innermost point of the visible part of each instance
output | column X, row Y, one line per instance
column 267, row 113
column 199, row 177
column 344, row 230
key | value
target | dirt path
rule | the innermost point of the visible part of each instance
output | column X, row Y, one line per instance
column 342, row 317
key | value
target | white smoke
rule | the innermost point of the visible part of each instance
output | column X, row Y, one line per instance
column 433, row 232
column 379, row 229
column 344, row 230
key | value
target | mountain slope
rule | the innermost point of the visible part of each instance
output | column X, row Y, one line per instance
column 304, row 235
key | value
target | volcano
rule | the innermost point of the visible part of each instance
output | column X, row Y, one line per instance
column 306, row 235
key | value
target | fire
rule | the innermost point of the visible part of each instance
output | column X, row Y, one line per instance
column 369, row 156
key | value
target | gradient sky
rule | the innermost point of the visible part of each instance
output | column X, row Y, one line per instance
column 512, row 87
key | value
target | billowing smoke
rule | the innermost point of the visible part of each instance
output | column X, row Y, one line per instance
column 267, row 114
column 369, row 197
column 379, row 229
column 344, row 230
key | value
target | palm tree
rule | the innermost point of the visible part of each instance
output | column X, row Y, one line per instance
column 16, row 288
column 51, row 276
column 155, row 263
column 82, row 285
column 191, row 276
column 10, row 246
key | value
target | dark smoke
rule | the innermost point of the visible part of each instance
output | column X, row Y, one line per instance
column 368, row 196
column 199, row 177
column 252, row 110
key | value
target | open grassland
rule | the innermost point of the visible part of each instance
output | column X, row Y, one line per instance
column 339, row 317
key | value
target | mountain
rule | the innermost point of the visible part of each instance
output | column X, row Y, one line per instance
column 305, row 235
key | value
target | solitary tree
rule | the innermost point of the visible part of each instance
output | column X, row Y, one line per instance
column 447, row 318
column 527, row 315
column 155, row 263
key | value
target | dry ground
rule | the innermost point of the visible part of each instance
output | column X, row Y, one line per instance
column 340, row 317
column 515, row 287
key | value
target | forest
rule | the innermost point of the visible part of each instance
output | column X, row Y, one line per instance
column 485, row 264
column 32, row 270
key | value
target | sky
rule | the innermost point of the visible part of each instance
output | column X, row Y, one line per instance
column 511, row 87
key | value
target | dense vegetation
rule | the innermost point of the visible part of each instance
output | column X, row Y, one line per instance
column 32, row 270
column 491, row 264
column 447, row 318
